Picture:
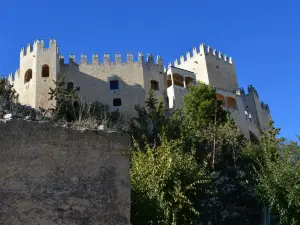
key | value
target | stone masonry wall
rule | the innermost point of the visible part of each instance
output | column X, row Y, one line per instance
column 53, row 175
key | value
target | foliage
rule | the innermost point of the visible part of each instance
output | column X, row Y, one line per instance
column 234, row 192
column 66, row 101
column 69, row 107
column 147, row 126
column 8, row 95
column 164, row 181
column 276, row 167
column 201, row 107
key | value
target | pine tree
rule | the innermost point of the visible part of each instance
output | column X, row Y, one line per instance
column 66, row 101
column 147, row 126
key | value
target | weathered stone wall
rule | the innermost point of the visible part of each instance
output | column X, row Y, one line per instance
column 53, row 175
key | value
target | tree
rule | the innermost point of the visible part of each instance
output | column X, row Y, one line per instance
column 66, row 101
column 276, row 164
column 146, row 128
column 164, row 181
column 202, row 115
column 71, row 108
column 234, row 199
column 8, row 95
column 201, row 107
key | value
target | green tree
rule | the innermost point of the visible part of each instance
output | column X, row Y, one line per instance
column 164, row 182
column 66, row 101
column 69, row 107
column 146, row 127
column 276, row 166
column 8, row 95
column 201, row 107
column 234, row 196
column 202, row 116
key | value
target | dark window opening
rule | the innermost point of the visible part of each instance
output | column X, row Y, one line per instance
column 154, row 85
column 253, row 138
column 217, row 67
column 117, row 102
column 45, row 71
column 70, row 86
column 28, row 76
column 77, row 88
column 114, row 84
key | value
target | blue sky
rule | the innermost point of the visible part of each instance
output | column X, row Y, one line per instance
column 261, row 36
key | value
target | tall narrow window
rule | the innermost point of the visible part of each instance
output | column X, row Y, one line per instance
column 45, row 71
column 28, row 76
column 114, row 84
column 70, row 86
column 117, row 102
column 231, row 103
column 154, row 85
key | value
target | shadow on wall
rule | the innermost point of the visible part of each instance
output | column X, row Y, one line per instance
column 53, row 175
column 114, row 92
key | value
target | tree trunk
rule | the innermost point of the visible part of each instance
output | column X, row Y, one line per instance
column 214, row 140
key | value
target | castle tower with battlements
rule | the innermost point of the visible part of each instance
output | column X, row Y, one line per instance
column 122, row 84
column 212, row 67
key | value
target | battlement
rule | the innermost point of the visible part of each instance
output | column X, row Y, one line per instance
column 252, row 90
column 38, row 45
column 203, row 49
column 117, row 59
column 265, row 106
column 240, row 91
column 13, row 76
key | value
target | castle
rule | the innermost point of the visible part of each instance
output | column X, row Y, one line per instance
column 122, row 85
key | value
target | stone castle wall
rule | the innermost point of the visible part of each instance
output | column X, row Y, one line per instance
column 134, row 78
column 53, row 175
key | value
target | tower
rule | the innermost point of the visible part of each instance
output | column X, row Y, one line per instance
column 39, row 66
column 211, row 67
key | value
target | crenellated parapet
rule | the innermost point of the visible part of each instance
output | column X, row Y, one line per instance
column 240, row 91
column 117, row 59
column 38, row 45
column 14, row 76
column 202, row 50
column 252, row 90
column 11, row 77
column 265, row 106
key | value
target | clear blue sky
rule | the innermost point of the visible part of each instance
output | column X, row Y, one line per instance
column 261, row 36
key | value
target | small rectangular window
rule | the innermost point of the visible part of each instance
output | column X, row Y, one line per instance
column 114, row 84
column 117, row 102
column 154, row 85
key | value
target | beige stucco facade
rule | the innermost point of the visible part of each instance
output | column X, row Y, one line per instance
column 122, row 85
column 214, row 68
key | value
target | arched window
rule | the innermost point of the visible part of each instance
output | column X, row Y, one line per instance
column 117, row 102
column 154, row 85
column 45, row 71
column 70, row 86
column 28, row 76
column 178, row 80
column 231, row 103
column 221, row 98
